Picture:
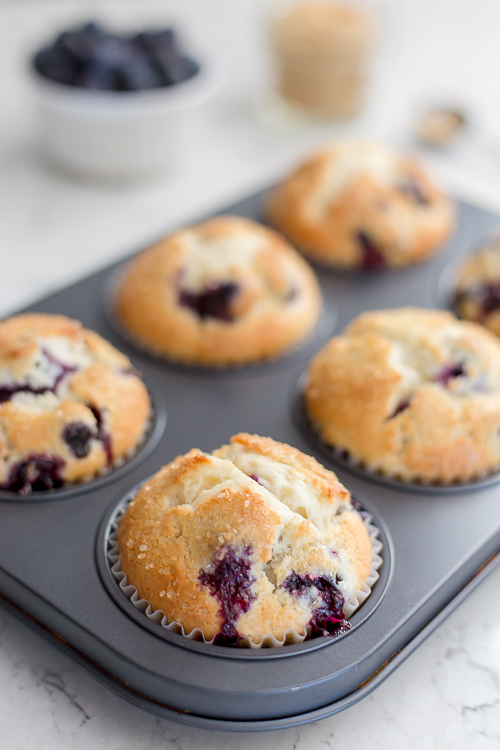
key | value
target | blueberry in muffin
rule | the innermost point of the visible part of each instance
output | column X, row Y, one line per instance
column 477, row 294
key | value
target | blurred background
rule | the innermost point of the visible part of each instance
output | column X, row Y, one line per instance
column 58, row 225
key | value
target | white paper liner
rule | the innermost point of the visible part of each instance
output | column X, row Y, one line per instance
column 290, row 637
column 326, row 315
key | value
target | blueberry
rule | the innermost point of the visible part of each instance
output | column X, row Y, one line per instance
column 212, row 302
column 38, row 472
column 404, row 404
column 78, row 435
column 9, row 390
column 103, row 436
column 91, row 57
column 230, row 582
column 372, row 258
column 487, row 296
column 96, row 75
column 255, row 479
column 449, row 372
column 327, row 619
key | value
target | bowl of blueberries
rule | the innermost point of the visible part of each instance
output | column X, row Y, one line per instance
column 116, row 105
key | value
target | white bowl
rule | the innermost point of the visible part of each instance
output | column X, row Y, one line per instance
column 120, row 134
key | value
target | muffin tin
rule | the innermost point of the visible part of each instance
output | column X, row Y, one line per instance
column 438, row 542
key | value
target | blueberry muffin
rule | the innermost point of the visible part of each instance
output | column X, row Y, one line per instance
column 478, row 287
column 411, row 393
column 71, row 405
column 227, row 291
column 361, row 205
column 254, row 539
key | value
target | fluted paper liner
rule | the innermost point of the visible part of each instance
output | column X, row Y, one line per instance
column 291, row 636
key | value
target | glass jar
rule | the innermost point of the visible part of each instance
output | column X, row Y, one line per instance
column 320, row 51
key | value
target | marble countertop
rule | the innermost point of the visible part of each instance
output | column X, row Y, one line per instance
column 57, row 229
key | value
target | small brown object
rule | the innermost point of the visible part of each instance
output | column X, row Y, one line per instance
column 362, row 205
column 234, row 542
column 228, row 291
column 440, row 126
column 71, row 405
column 412, row 393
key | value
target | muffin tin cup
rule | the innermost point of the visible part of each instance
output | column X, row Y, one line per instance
column 268, row 640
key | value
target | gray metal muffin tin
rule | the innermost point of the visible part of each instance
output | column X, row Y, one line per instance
column 439, row 543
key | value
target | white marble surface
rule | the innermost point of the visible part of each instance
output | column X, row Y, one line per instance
column 55, row 229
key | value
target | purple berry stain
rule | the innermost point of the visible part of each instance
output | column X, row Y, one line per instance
column 402, row 406
column 372, row 259
column 449, row 372
column 103, row 436
column 213, row 302
column 487, row 296
column 412, row 189
column 255, row 479
column 77, row 435
column 37, row 472
column 230, row 582
column 8, row 391
column 327, row 619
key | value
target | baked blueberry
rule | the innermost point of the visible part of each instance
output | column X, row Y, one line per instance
column 477, row 295
column 35, row 473
column 372, row 258
column 212, row 302
column 230, row 581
